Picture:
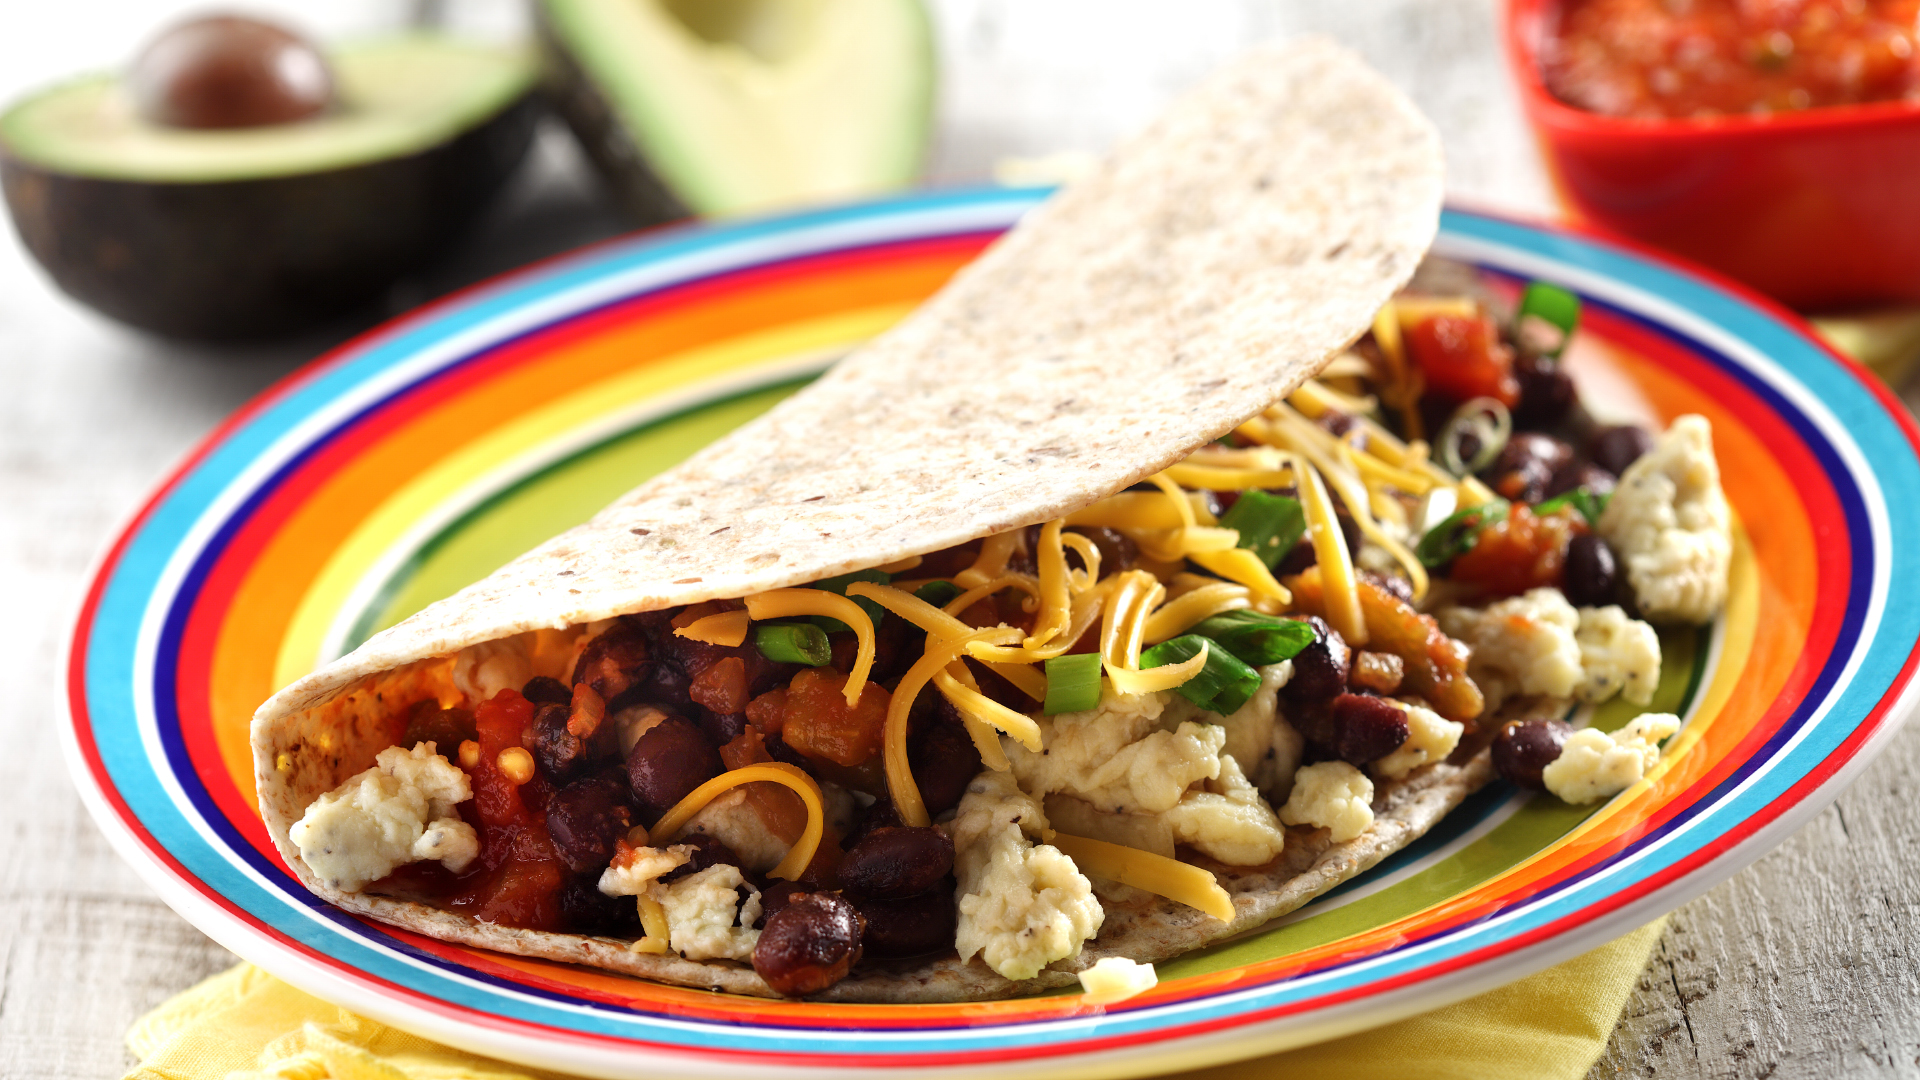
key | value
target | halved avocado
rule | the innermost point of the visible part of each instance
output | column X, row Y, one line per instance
column 249, row 232
column 717, row 107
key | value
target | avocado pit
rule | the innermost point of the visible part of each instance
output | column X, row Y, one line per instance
column 227, row 71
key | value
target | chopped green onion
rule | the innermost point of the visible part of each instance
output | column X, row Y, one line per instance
column 1269, row 524
column 1553, row 305
column 1456, row 536
column 839, row 585
column 938, row 593
column 1490, row 424
column 1073, row 683
column 1255, row 639
column 793, row 643
column 1223, row 684
column 1583, row 499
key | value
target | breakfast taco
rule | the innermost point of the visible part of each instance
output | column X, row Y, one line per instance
column 1069, row 626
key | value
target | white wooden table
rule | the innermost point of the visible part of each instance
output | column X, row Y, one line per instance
column 1805, row 965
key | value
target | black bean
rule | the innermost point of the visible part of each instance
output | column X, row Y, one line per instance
column 1615, row 448
column 942, row 756
column 587, row 910
column 560, row 753
column 1590, row 573
column 446, row 729
column 1526, row 466
column 585, row 818
column 910, row 926
column 889, row 864
column 1546, row 392
column 1367, row 728
column 613, row 662
column 879, row 815
column 1581, row 474
column 1320, row 670
column 1521, row 751
column 543, row 690
column 777, row 895
column 708, row 851
column 809, row 944
column 721, row 728
column 667, row 763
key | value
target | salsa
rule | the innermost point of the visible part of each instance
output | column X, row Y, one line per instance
column 1679, row 58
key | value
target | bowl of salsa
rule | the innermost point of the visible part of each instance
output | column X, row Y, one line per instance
column 1776, row 142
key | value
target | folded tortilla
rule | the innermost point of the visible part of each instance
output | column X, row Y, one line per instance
column 1216, row 261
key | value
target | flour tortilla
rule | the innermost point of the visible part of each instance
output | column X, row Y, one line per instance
column 1211, row 265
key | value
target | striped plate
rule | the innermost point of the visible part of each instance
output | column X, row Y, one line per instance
column 429, row 452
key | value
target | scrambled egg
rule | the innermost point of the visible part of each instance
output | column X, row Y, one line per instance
column 398, row 812
column 706, row 918
column 1333, row 795
column 1430, row 737
column 1258, row 736
column 1617, row 654
column 1668, row 521
column 1117, row 757
column 1116, row 978
column 1594, row 765
column 1537, row 643
column 1228, row 820
column 483, row 670
column 1022, row 906
column 633, row 870
column 731, row 819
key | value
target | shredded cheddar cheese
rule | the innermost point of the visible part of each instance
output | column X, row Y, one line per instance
column 779, row 772
column 728, row 628
column 900, row 783
column 1164, row 677
column 1180, row 882
column 785, row 603
column 1056, row 603
column 995, row 550
column 1175, row 616
column 1243, row 566
column 653, row 923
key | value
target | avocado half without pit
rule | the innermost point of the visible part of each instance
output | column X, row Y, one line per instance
column 719, row 107
column 239, row 184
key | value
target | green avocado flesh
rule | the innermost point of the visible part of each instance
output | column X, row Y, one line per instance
column 734, row 106
column 397, row 96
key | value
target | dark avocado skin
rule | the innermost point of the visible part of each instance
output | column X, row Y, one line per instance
column 249, row 259
column 579, row 102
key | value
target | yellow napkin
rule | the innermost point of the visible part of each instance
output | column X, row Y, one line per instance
column 244, row 1024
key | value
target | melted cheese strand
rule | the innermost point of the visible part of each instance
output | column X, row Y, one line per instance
column 653, row 922
column 1157, row 874
column 1244, row 567
column 965, row 600
column 900, row 783
column 779, row 772
column 1056, row 604
column 1341, row 589
column 1123, row 625
column 994, row 553
column 1129, row 510
column 967, row 698
column 1403, row 382
column 728, row 628
column 1164, row 677
column 1222, row 478
column 786, row 603
column 944, row 627
column 1082, row 580
column 1353, row 491
column 1087, row 607
column 1175, row 616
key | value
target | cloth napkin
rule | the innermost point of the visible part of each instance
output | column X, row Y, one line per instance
column 244, row 1024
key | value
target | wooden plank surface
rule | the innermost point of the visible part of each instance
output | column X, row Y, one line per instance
column 1802, row 966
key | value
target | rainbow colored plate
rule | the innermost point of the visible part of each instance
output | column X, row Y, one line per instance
column 431, row 451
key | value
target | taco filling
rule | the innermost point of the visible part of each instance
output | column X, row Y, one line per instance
column 1416, row 564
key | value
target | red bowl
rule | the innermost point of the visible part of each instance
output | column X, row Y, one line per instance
column 1820, row 209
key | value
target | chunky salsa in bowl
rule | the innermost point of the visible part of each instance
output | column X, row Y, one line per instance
column 1776, row 149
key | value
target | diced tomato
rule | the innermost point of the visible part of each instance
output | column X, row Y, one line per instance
column 768, row 712
column 500, row 722
column 820, row 725
column 524, row 889
column 722, row 687
column 1523, row 552
column 1464, row 358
